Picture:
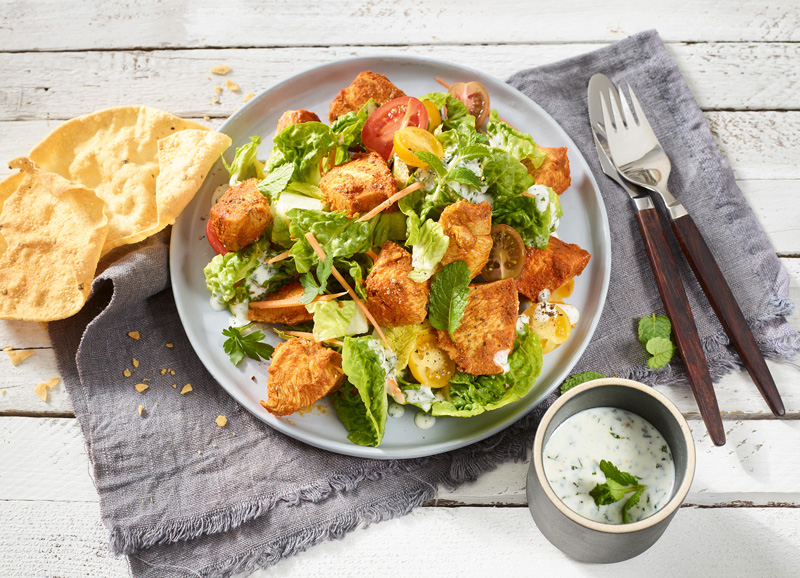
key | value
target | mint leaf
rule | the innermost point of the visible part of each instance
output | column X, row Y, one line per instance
column 579, row 378
column 654, row 326
column 275, row 182
column 238, row 345
column 612, row 473
column 434, row 162
column 449, row 295
column 616, row 486
column 464, row 176
column 662, row 350
column 632, row 501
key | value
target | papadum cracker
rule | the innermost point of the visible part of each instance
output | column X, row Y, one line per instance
column 51, row 235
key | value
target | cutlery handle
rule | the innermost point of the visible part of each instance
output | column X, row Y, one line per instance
column 673, row 295
column 724, row 303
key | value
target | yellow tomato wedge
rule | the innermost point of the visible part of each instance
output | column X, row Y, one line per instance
column 434, row 118
column 429, row 363
column 550, row 323
column 560, row 294
column 411, row 139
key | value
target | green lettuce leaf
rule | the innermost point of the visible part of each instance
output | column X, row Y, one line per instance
column 361, row 403
column 331, row 318
column 348, row 127
column 303, row 146
column 456, row 114
column 402, row 340
column 505, row 177
column 429, row 244
column 338, row 236
column 245, row 165
column 225, row 271
column 533, row 220
column 521, row 145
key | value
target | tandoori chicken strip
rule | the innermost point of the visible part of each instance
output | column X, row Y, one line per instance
column 554, row 171
column 550, row 268
column 291, row 117
column 289, row 315
column 393, row 298
column 469, row 227
column 358, row 185
column 367, row 85
column 241, row 215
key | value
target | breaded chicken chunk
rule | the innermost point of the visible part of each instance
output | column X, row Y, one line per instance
column 367, row 85
column 241, row 215
column 288, row 315
column 488, row 329
column 301, row 372
column 469, row 227
column 393, row 298
column 291, row 117
column 554, row 171
column 550, row 268
column 358, row 185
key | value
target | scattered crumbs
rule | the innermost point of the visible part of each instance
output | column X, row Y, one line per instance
column 2, row 391
column 169, row 345
column 172, row 372
column 44, row 325
column 199, row 452
column 232, row 86
column 248, row 96
column 233, row 433
column 218, row 89
column 175, row 385
column 127, row 372
column 140, row 387
column 18, row 356
column 186, row 388
column 145, row 379
column 141, row 409
column 206, row 118
column 41, row 389
column 216, row 446
column 135, row 362
column 214, row 100
column 221, row 420
column 133, row 335
column 221, row 69
column 163, row 371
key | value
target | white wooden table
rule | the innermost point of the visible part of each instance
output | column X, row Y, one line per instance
column 742, row 59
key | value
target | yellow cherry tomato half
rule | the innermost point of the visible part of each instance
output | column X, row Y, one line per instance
column 411, row 139
column 550, row 323
column 434, row 118
column 563, row 292
column 429, row 363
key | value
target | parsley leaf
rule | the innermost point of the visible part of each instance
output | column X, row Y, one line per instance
column 662, row 350
column 238, row 345
column 579, row 378
column 654, row 326
column 617, row 485
column 312, row 288
column 449, row 295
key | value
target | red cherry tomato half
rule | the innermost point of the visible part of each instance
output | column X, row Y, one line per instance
column 213, row 240
column 475, row 96
column 378, row 131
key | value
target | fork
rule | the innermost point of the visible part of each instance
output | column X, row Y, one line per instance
column 630, row 135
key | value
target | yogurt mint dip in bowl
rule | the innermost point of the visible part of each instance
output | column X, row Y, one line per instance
column 617, row 443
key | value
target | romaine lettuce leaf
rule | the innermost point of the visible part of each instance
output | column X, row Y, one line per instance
column 245, row 165
column 456, row 115
column 331, row 318
column 362, row 403
column 521, row 145
column 429, row 244
column 402, row 340
column 534, row 218
column 303, row 145
column 225, row 271
column 348, row 127
column 338, row 236
column 505, row 176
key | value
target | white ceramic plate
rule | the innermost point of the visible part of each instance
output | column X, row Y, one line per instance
column 584, row 223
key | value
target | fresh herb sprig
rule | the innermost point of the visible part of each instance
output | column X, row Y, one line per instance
column 617, row 485
column 449, row 296
column 310, row 286
column 654, row 335
column 579, row 378
column 239, row 344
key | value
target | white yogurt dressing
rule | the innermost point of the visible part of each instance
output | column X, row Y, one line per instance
column 423, row 420
column 395, row 409
column 572, row 462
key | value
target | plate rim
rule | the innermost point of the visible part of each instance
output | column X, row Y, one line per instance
column 344, row 446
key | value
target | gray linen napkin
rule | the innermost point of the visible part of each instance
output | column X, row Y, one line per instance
column 184, row 497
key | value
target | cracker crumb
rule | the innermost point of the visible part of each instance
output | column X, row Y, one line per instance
column 199, row 452
column 221, row 69
column 221, row 420
column 140, row 387
column 206, row 118
column 234, row 433
column 169, row 345
column 141, row 409
column 232, row 86
column 248, row 96
column 163, row 371
column 214, row 100
column 18, row 356
column 186, row 388
column 172, row 372
column 41, row 389
column 44, row 325
column 127, row 372
column 135, row 362
column 218, row 89
column 175, row 385
column 2, row 391
column 145, row 379
column 133, row 335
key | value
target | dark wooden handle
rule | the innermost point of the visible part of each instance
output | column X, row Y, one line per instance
column 673, row 295
column 724, row 303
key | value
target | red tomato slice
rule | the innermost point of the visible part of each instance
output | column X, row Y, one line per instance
column 213, row 240
column 378, row 131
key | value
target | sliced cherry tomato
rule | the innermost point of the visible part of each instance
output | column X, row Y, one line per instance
column 434, row 118
column 213, row 240
column 563, row 292
column 507, row 257
column 429, row 363
column 550, row 323
column 378, row 131
column 411, row 139
column 475, row 96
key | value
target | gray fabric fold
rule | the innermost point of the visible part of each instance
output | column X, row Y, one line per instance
column 184, row 497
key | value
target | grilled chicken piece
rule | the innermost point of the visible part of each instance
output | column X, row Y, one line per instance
column 469, row 227
column 291, row 117
column 358, row 185
column 287, row 315
column 241, row 215
column 488, row 329
column 393, row 298
column 301, row 372
column 367, row 85
column 550, row 268
column 554, row 171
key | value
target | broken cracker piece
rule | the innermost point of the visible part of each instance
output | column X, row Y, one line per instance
column 135, row 362
column 175, row 385
column 133, row 335
column 248, row 96
column 186, row 388
column 41, row 388
column 127, row 372
column 169, row 345
column 2, row 391
column 218, row 89
column 221, row 420
column 18, row 356
column 163, row 371
column 221, row 69
column 140, row 387
column 141, row 409
column 232, row 86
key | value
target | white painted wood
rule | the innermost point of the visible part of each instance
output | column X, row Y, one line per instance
column 64, row 85
column 68, row 541
column 54, row 25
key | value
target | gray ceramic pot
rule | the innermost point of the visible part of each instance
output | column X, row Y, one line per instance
column 586, row 540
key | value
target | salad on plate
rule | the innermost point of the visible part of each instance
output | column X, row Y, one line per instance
column 393, row 249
